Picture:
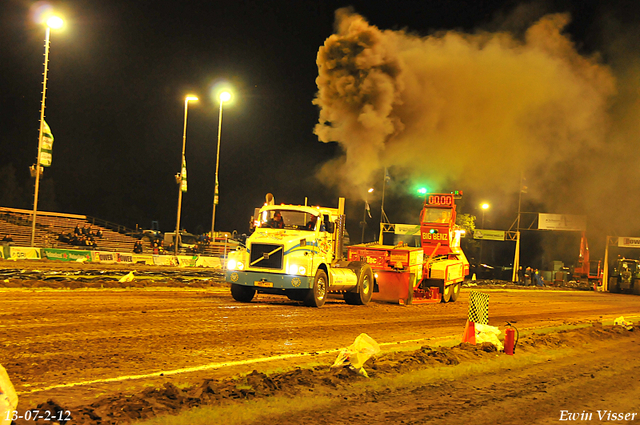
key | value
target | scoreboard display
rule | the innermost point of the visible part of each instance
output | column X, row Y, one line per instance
column 440, row 199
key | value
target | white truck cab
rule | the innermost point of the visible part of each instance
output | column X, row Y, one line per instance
column 299, row 256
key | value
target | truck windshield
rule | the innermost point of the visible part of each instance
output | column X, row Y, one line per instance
column 297, row 220
column 436, row 215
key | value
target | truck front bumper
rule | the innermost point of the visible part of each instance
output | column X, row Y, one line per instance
column 268, row 280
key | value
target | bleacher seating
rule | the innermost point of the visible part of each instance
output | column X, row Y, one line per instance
column 50, row 225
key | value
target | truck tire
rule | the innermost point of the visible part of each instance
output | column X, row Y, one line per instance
column 614, row 286
column 296, row 294
column 317, row 296
column 241, row 293
column 365, row 288
column 456, row 292
column 447, row 293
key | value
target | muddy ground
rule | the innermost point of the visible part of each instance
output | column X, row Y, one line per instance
column 111, row 353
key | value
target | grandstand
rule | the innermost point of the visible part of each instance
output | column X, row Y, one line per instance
column 50, row 225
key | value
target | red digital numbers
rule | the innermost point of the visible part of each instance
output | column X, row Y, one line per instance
column 441, row 200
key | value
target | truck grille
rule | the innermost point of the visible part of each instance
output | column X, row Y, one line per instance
column 266, row 256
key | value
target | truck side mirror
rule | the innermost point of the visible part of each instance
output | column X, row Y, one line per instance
column 328, row 225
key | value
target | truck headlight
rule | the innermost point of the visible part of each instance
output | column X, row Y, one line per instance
column 296, row 269
column 235, row 265
column 231, row 264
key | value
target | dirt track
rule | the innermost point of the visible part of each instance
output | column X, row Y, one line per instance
column 53, row 338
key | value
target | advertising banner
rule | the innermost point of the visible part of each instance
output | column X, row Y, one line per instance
column 629, row 242
column 407, row 229
column 103, row 257
column 562, row 222
column 66, row 254
column 24, row 253
column 490, row 235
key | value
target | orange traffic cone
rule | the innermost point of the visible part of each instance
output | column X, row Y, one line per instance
column 469, row 334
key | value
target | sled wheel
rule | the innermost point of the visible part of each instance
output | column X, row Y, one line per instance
column 318, row 294
column 365, row 288
column 242, row 293
column 446, row 294
column 455, row 292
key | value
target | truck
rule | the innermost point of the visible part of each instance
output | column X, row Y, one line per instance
column 625, row 276
column 302, row 258
column 430, row 273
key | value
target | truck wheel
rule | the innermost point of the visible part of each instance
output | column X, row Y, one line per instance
column 318, row 295
column 456, row 292
column 365, row 288
column 296, row 294
column 446, row 294
column 242, row 293
column 614, row 287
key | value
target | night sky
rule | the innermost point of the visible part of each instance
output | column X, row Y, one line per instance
column 120, row 70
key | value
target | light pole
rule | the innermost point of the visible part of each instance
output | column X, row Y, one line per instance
column 224, row 97
column 183, row 171
column 54, row 22
column 484, row 207
column 364, row 217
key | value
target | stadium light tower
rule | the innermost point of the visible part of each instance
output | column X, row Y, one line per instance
column 181, row 178
column 225, row 96
column 53, row 22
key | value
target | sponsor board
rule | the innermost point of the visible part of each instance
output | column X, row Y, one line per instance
column 407, row 229
column 490, row 235
column 66, row 254
column 103, row 257
column 562, row 222
column 629, row 242
column 24, row 253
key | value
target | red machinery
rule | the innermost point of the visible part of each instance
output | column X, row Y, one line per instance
column 430, row 273
column 586, row 269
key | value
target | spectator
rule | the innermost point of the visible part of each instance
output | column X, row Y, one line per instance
column 137, row 247
column 537, row 278
column 520, row 276
column 76, row 231
column 7, row 238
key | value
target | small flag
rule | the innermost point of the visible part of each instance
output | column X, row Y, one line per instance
column 47, row 145
column 183, row 175
column 366, row 206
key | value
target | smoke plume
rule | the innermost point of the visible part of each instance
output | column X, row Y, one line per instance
column 477, row 109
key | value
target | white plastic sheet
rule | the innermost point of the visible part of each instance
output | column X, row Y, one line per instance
column 357, row 354
column 8, row 397
column 486, row 333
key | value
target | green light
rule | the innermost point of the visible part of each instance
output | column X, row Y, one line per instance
column 422, row 191
column 432, row 231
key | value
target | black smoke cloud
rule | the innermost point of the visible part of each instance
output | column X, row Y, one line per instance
column 480, row 110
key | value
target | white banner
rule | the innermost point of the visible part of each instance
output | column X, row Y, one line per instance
column 629, row 242
column 562, row 222
column 492, row 235
column 24, row 253
column 407, row 229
